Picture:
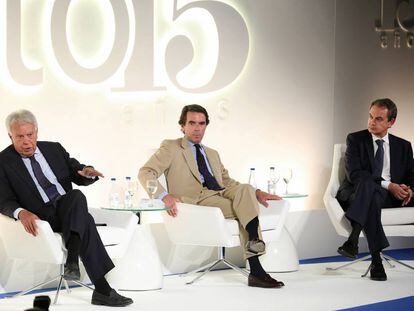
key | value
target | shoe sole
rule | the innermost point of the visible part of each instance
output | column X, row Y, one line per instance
column 100, row 303
column 378, row 279
column 346, row 254
column 277, row 286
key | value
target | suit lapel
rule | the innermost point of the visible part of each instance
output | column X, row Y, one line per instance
column 393, row 150
column 214, row 164
column 189, row 158
column 370, row 149
column 17, row 164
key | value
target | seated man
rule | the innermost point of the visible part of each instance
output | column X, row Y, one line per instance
column 196, row 175
column 379, row 174
column 36, row 183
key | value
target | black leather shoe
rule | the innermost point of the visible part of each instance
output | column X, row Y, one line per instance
column 348, row 250
column 266, row 282
column 113, row 300
column 377, row 272
column 71, row 272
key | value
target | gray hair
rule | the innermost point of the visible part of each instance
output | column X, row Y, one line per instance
column 20, row 116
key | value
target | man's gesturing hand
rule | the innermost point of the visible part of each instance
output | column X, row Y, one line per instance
column 89, row 171
column 170, row 202
column 28, row 221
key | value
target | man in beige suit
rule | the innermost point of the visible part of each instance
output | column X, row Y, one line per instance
column 195, row 175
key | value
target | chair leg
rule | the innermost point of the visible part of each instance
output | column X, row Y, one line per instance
column 212, row 265
column 198, row 269
column 398, row 261
column 387, row 261
column 58, row 289
column 34, row 287
column 366, row 272
column 349, row 263
column 234, row 267
column 83, row 285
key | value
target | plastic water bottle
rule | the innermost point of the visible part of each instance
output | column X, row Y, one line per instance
column 129, row 193
column 113, row 194
column 252, row 178
column 272, row 181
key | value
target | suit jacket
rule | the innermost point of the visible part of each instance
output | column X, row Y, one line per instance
column 176, row 161
column 359, row 162
column 17, row 188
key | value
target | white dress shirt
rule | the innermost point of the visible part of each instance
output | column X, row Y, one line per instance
column 386, row 173
column 48, row 173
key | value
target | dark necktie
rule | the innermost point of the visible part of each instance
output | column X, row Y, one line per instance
column 49, row 188
column 209, row 181
column 379, row 160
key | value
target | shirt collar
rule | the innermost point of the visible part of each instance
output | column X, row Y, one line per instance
column 193, row 144
column 385, row 138
column 36, row 153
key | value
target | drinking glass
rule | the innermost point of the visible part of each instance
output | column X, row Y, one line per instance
column 152, row 186
column 287, row 176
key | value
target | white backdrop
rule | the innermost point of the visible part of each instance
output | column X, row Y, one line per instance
column 276, row 109
column 282, row 80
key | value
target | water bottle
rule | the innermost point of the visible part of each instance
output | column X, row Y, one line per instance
column 129, row 193
column 252, row 178
column 113, row 194
column 272, row 181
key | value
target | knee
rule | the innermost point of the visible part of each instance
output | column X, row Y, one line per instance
column 246, row 188
column 77, row 198
column 367, row 182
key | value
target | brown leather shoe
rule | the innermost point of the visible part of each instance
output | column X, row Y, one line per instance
column 266, row 282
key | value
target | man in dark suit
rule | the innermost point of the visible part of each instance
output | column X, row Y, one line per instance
column 36, row 183
column 379, row 174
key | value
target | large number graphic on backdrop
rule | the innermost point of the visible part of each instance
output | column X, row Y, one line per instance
column 191, row 46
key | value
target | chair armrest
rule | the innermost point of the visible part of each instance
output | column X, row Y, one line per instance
column 198, row 225
column 45, row 247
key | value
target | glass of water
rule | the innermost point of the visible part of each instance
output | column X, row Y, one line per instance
column 152, row 186
column 287, row 176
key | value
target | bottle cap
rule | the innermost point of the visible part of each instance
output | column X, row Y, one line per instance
column 113, row 178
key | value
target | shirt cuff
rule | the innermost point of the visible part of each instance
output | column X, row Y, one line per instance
column 385, row 184
column 16, row 213
column 162, row 195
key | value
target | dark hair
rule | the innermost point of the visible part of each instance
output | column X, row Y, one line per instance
column 192, row 108
column 389, row 104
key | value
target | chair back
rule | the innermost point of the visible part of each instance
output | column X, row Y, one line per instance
column 200, row 225
column 333, row 208
column 46, row 247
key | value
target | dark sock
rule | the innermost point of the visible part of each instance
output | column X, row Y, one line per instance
column 102, row 286
column 73, row 247
column 376, row 257
column 252, row 227
column 256, row 268
column 356, row 231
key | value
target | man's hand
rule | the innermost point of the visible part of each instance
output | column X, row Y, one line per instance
column 407, row 199
column 171, row 202
column 400, row 192
column 89, row 171
column 28, row 221
column 262, row 197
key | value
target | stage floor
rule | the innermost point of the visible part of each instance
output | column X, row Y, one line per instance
column 310, row 288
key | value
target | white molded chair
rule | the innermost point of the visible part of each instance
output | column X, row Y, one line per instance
column 396, row 221
column 206, row 226
column 47, row 247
